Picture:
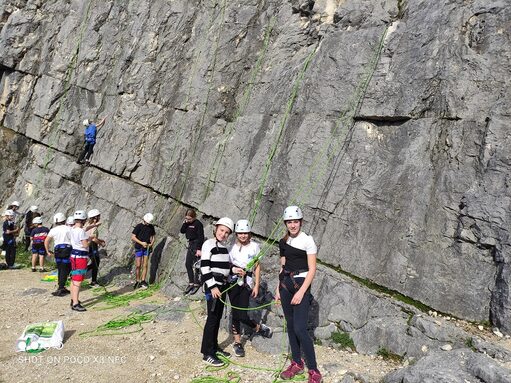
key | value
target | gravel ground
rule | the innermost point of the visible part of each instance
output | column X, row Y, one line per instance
column 163, row 351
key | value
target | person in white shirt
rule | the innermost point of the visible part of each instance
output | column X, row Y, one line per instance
column 245, row 283
column 298, row 253
column 79, row 258
column 61, row 237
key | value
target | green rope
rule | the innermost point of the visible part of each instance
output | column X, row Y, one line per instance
column 346, row 119
column 111, row 300
column 116, row 325
column 71, row 68
column 206, row 104
column 283, row 122
column 229, row 129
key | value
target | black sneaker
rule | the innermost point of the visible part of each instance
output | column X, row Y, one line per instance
column 225, row 354
column 188, row 289
column 33, row 269
column 213, row 360
column 65, row 291
column 78, row 307
column 194, row 289
column 43, row 270
column 239, row 351
column 79, row 303
column 143, row 285
column 93, row 283
column 136, row 285
column 59, row 293
column 265, row 331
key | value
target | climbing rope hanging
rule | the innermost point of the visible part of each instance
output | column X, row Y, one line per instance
column 70, row 70
column 229, row 129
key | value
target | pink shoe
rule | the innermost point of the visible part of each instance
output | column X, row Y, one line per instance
column 314, row 376
column 293, row 369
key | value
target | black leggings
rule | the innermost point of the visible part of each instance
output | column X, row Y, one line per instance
column 63, row 269
column 297, row 317
column 94, row 265
column 87, row 152
column 10, row 253
column 191, row 258
column 210, row 335
column 239, row 296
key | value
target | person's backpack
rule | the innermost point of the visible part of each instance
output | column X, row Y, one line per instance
column 90, row 133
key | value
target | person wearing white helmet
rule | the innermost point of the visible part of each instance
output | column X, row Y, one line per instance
column 95, row 242
column 10, row 231
column 298, row 266
column 90, row 139
column 37, row 236
column 33, row 211
column 70, row 221
column 79, row 258
column 215, row 269
column 15, row 206
column 194, row 231
column 143, row 236
column 246, row 284
column 60, row 234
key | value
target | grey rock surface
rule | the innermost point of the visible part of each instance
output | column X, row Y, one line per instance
column 451, row 367
column 388, row 123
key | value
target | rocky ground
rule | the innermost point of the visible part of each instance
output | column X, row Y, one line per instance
column 166, row 349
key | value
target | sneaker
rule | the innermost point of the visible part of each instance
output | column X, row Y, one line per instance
column 194, row 289
column 265, row 331
column 93, row 283
column 293, row 370
column 79, row 303
column 136, row 285
column 43, row 270
column 314, row 376
column 78, row 307
column 143, row 285
column 33, row 269
column 65, row 291
column 225, row 354
column 239, row 351
column 59, row 293
column 188, row 289
column 213, row 360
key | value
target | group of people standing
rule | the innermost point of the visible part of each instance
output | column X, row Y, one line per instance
column 224, row 273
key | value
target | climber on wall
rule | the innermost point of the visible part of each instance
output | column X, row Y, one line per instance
column 90, row 139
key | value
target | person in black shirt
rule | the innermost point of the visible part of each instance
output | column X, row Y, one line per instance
column 10, row 230
column 32, row 212
column 143, row 235
column 194, row 231
column 38, row 235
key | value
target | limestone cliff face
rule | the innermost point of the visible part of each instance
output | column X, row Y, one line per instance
column 388, row 122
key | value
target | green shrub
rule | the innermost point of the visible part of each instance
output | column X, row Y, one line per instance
column 389, row 355
column 343, row 339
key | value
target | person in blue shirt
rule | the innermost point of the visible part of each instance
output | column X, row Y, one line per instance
column 91, row 130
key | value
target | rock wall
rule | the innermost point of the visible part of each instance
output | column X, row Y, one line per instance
column 387, row 122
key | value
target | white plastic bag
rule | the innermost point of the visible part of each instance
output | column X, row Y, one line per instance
column 41, row 336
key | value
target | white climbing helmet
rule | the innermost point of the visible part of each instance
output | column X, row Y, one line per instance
column 80, row 214
column 227, row 222
column 70, row 220
column 148, row 218
column 9, row 213
column 59, row 217
column 93, row 213
column 242, row 226
column 85, row 122
column 15, row 203
column 33, row 208
column 292, row 212
column 37, row 220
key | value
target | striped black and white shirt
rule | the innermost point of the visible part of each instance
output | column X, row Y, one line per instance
column 214, row 263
